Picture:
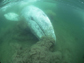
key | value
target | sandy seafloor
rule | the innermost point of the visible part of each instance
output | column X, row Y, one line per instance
column 68, row 25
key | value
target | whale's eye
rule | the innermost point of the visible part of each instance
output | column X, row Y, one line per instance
column 32, row 18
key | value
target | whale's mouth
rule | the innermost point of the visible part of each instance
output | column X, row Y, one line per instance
column 43, row 33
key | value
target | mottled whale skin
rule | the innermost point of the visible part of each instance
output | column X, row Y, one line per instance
column 38, row 22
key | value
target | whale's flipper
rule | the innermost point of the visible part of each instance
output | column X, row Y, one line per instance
column 11, row 16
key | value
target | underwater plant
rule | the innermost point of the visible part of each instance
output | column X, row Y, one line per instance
column 38, row 53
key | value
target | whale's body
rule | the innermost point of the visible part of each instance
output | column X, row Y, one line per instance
column 38, row 22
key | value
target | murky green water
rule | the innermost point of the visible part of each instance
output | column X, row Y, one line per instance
column 67, row 18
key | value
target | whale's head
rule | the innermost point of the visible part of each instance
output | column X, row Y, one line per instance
column 38, row 22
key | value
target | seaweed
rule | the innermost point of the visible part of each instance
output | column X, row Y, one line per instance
column 38, row 53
